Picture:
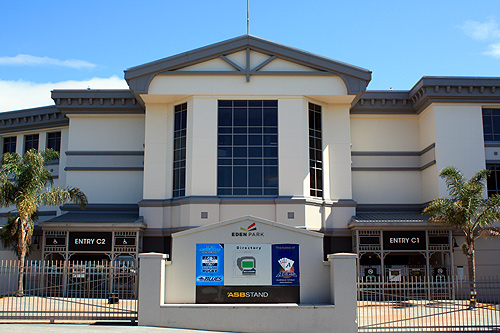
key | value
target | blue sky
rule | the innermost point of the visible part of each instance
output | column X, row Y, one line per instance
column 47, row 45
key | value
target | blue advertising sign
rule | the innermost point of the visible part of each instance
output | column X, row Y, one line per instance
column 209, row 264
column 285, row 264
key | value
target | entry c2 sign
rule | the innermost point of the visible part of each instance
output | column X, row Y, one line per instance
column 90, row 241
column 404, row 240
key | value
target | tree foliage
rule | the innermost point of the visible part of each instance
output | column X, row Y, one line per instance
column 468, row 210
column 25, row 185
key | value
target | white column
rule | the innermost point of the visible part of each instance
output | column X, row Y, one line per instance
column 343, row 292
column 151, row 288
column 293, row 145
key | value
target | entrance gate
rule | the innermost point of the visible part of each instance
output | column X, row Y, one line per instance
column 425, row 304
column 86, row 290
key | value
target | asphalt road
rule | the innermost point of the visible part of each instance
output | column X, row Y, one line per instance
column 89, row 327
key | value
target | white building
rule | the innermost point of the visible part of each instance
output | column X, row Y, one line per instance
column 251, row 127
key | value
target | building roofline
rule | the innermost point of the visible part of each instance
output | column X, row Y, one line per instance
column 139, row 77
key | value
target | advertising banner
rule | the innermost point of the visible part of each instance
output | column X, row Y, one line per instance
column 247, row 264
column 209, row 264
column 285, row 264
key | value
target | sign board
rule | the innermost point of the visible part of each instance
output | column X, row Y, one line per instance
column 404, row 240
column 55, row 241
column 285, row 264
column 209, row 264
column 90, row 241
column 247, row 273
column 124, row 241
column 247, row 294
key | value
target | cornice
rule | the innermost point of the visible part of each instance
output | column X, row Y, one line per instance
column 434, row 89
column 384, row 102
column 31, row 119
column 96, row 101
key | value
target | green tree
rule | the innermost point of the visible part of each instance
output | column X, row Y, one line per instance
column 467, row 210
column 25, row 184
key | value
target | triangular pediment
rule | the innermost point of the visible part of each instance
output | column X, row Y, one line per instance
column 247, row 223
column 247, row 55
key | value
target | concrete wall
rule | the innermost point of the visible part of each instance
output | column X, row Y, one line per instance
column 327, row 289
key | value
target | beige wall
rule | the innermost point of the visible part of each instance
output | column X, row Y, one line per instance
column 101, row 133
column 385, row 133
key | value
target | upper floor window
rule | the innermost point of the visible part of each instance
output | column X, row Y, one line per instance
column 247, row 163
column 9, row 144
column 179, row 172
column 491, row 124
column 315, row 151
column 493, row 182
column 54, row 141
column 30, row 142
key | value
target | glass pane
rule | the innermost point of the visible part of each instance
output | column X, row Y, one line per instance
column 255, row 191
column 225, row 140
column 225, row 117
column 240, row 117
column 270, row 152
column 270, row 117
column 255, row 140
column 240, row 140
column 270, row 176
column 240, row 103
column 240, row 191
column 270, row 139
column 240, row 130
column 255, row 152
column 271, row 103
column 224, row 152
column 255, row 177
column 240, row 152
column 255, row 117
column 224, row 176
column 240, row 161
column 240, row 176
column 225, row 103
column 255, row 103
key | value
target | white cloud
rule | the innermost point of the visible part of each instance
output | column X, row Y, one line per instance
column 29, row 60
column 482, row 31
column 15, row 95
column 494, row 51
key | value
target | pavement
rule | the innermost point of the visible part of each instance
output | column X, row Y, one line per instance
column 109, row 327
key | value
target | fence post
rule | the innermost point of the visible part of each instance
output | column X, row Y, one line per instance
column 151, row 287
column 343, row 291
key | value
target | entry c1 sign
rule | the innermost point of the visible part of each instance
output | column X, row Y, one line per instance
column 404, row 240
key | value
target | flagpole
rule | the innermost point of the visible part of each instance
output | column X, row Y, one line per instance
column 248, row 17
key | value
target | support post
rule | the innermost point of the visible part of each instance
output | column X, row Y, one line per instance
column 151, row 287
column 343, row 292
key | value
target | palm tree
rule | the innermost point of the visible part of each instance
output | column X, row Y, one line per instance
column 25, row 183
column 467, row 210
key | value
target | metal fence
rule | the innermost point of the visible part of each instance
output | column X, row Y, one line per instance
column 428, row 304
column 69, row 290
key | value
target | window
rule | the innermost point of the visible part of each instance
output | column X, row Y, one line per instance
column 491, row 124
column 180, row 124
column 315, row 151
column 493, row 182
column 247, row 163
column 9, row 144
column 30, row 142
column 54, row 141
